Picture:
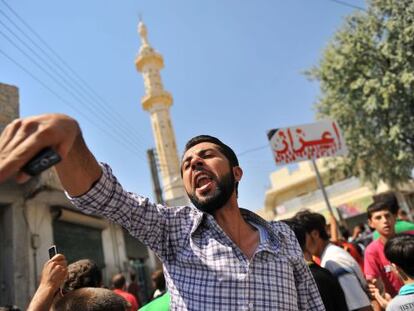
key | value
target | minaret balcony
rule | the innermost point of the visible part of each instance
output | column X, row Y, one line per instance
column 153, row 58
column 149, row 100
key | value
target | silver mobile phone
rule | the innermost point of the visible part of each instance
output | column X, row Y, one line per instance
column 52, row 251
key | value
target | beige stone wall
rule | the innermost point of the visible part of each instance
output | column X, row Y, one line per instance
column 9, row 104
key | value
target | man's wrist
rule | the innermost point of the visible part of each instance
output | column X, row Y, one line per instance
column 80, row 170
column 48, row 287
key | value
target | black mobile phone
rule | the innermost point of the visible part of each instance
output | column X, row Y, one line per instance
column 46, row 158
column 52, row 251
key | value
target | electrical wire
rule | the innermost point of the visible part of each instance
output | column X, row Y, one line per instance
column 83, row 84
column 61, row 81
column 78, row 96
column 66, row 102
column 348, row 5
column 252, row 150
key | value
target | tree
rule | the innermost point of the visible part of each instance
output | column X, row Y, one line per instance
column 366, row 77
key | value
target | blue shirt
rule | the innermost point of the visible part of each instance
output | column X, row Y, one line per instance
column 204, row 268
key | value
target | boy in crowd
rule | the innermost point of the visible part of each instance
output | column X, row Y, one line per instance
column 337, row 260
column 331, row 291
column 401, row 225
column 82, row 273
column 48, row 295
column 377, row 267
column 91, row 299
column 399, row 250
column 119, row 285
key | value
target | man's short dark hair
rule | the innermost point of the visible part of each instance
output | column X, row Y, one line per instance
column 299, row 231
column 91, row 299
column 400, row 251
column 313, row 221
column 388, row 198
column 118, row 281
column 376, row 207
column 82, row 273
column 223, row 148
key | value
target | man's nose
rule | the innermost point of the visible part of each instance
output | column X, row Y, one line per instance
column 197, row 162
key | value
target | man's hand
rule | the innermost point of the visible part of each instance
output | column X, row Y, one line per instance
column 22, row 139
column 53, row 274
column 375, row 287
column 383, row 300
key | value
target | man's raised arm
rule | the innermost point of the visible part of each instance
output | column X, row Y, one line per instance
column 22, row 139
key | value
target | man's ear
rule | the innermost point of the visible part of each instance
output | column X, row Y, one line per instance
column 314, row 234
column 238, row 173
column 370, row 223
column 400, row 272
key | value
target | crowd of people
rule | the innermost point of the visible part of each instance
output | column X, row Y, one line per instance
column 216, row 255
column 365, row 271
column 383, row 280
column 78, row 286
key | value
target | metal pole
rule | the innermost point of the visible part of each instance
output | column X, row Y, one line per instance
column 320, row 182
column 154, row 174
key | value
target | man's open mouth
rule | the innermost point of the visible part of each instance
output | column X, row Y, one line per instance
column 203, row 182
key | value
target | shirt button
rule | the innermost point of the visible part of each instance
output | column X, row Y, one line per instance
column 251, row 305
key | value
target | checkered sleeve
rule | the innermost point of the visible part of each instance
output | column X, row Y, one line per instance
column 146, row 221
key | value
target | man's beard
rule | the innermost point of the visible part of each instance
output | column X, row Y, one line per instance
column 216, row 200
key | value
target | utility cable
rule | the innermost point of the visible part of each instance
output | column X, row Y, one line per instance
column 348, row 5
column 252, row 150
column 67, row 83
column 62, row 99
column 83, row 83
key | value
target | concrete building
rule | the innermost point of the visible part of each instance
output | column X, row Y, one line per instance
column 296, row 189
column 37, row 214
column 157, row 102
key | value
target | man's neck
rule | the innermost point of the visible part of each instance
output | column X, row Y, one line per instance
column 230, row 219
column 322, row 247
column 385, row 238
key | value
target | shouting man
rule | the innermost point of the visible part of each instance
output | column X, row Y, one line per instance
column 216, row 256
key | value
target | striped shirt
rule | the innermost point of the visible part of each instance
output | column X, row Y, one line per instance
column 204, row 268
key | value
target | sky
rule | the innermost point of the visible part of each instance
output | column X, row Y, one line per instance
column 235, row 69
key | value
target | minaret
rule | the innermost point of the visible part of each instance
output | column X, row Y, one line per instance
column 157, row 102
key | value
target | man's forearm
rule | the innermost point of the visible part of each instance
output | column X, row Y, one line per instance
column 80, row 170
column 43, row 299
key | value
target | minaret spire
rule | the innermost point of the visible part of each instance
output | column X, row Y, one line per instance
column 142, row 31
column 157, row 102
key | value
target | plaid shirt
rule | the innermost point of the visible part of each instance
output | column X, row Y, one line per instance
column 204, row 268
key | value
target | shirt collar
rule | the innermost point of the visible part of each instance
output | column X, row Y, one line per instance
column 274, row 238
column 407, row 289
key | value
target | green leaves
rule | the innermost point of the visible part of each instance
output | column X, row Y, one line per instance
column 366, row 78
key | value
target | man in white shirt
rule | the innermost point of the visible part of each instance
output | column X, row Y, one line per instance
column 338, row 261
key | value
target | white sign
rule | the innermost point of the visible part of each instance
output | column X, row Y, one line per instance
column 307, row 142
